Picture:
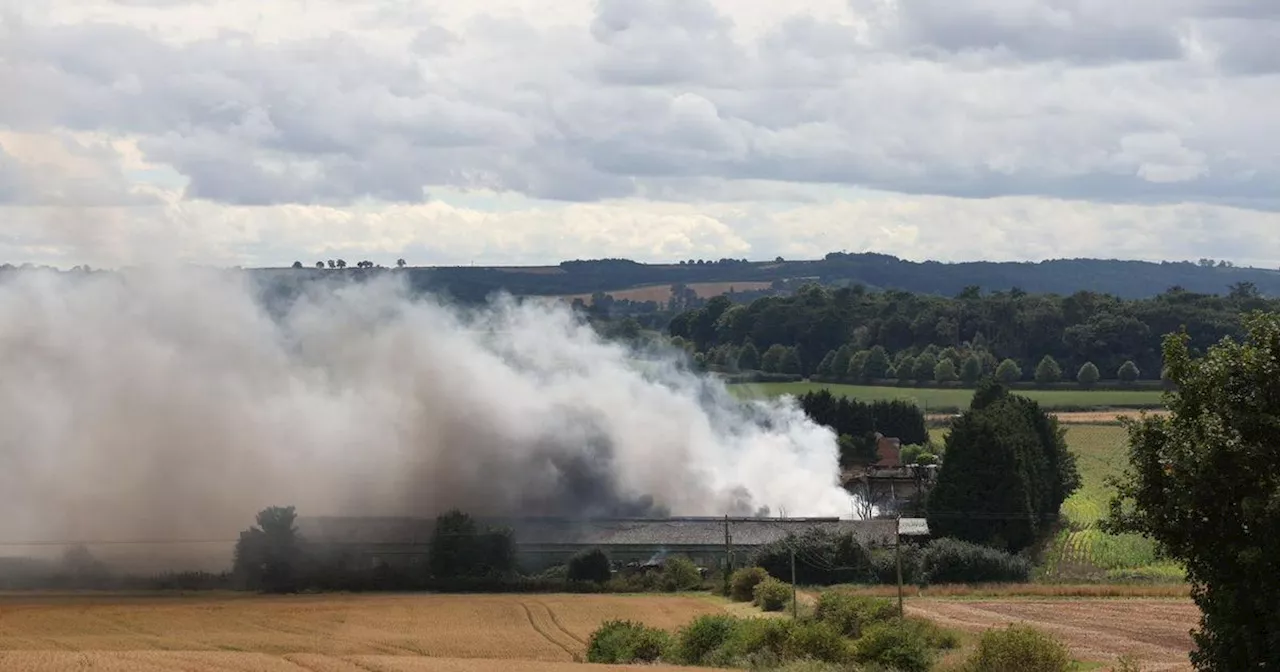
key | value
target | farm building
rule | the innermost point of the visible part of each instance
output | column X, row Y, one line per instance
column 543, row 542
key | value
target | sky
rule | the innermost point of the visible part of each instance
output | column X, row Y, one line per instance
column 240, row 132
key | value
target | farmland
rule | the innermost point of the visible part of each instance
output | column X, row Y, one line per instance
column 1154, row 631
column 1080, row 551
column 940, row 399
column 490, row 633
column 474, row 633
column 661, row 293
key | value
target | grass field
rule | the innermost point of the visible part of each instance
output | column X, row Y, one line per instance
column 941, row 399
column 318, row 632
column 662, row 293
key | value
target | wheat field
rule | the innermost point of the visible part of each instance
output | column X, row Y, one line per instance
column 471, row 633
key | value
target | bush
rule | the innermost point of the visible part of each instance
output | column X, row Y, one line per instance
column 1018, row 647
column 884, row 565
column 590, row 566
column 742, row 583
column 815, row 640
column 771, row 595
column 758, row 643
column 897, row 646
column 696, row 642
column 626, row 642
column 822, row 550
column 850, row 614
column 679, row 573
column 954, row 561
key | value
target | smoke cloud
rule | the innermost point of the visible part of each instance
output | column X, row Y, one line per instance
column 173, row 404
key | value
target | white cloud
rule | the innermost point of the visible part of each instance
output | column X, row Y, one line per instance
column 660, row 129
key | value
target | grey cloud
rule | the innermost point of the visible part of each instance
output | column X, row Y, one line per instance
column 648, row 93
column 1084, row 31
column 665, row 42
column 1246, row 46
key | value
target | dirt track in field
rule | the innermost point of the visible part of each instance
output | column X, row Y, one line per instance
column 1156, row 632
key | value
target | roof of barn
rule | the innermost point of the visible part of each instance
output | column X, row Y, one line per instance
column 597, row 532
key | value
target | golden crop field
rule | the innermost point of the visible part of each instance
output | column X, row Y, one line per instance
column 467, row 633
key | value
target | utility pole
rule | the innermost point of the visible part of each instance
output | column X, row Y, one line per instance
column 795, row 606
column 728, row 555
column 897, row 553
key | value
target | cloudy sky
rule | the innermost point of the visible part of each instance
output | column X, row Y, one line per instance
column 531, row 131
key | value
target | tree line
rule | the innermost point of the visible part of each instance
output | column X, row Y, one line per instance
column 852, row 333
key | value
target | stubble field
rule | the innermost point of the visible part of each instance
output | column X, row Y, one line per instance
column 326, row 633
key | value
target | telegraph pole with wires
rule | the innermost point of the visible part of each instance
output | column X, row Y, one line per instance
column 897, row 553
column 728, row 555
column 795, row 605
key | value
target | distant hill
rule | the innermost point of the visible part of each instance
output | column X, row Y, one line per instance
column 1125, row 279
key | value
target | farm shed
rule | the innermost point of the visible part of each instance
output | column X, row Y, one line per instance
column 543, row 542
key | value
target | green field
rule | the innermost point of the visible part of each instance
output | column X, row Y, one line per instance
column 1080, row 551
column 943, row 400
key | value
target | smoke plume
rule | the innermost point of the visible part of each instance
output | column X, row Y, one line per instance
column 173, row 404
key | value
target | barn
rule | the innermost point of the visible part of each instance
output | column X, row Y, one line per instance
column 544, row 542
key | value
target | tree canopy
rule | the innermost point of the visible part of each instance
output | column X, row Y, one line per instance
column 1006, row 473
column 1204, row 483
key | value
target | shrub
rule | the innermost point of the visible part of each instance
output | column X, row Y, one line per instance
column 771, row 595
column 896, row 646
column 742, row 583
column 697, row 641
column 626, row 642
column 884, row 566
column 954, row 561
column 679, row 573
column 590, row 566
column 768, row 642
column 816, row 641
column 823, row 550
column 850, row 614
column 1018, row 647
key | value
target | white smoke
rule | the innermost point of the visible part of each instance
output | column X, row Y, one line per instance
column 169, row 404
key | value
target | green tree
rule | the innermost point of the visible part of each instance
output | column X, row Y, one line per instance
column 1204, row 483
column 790, row 361
column 1006, row 473
column 972, row 370
column 877, row 363
column 827, row 366
column 1009, row 372
column 952, row 354
column 266, row 555
column 749, row 358
column 858, row 365
column 840, row 366
column 905, row 371
column 945, row 371
column 771, row 362
column 1088, row 375
column 1128, row 372
column 592, row 565
column 924, row 366
column 459, row 547
column 1048, row 371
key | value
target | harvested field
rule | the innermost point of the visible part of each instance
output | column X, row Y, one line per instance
column 1154, row 632
column 319, row 632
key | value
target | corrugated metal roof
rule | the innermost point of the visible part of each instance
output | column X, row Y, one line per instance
column 613, row 532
